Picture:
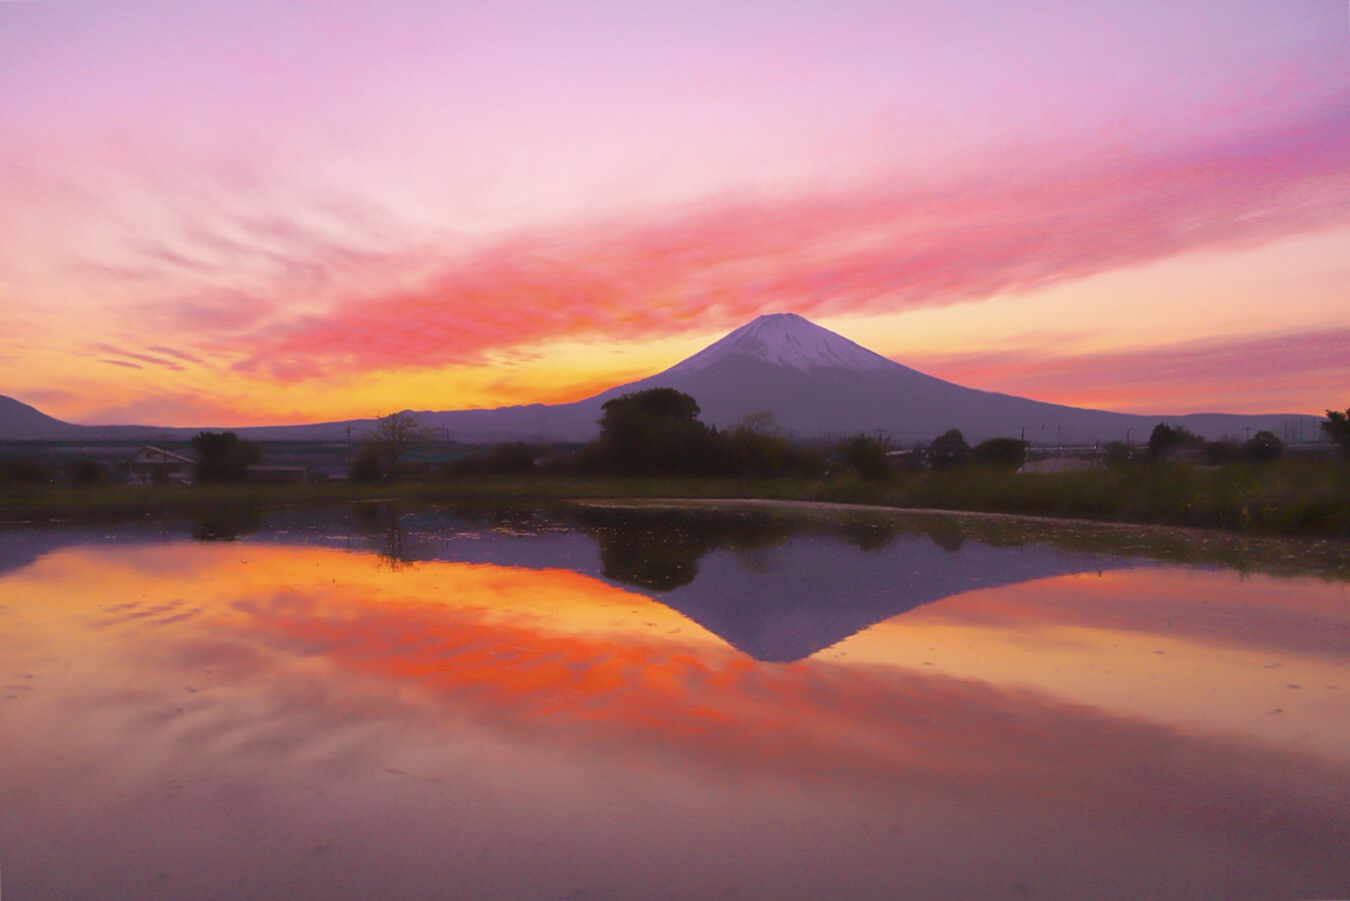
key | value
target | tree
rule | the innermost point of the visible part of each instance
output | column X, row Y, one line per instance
column 1263, row 447
column 225, row 457
column 757, row 448
column 1337, row 428
column 948, row 449
column 1222, row 452
column 395, row 433
column 655, row 431
column 1000, row 453
column 366, row 467
column 511, row 458
column 1165, row 439
column 866, row 456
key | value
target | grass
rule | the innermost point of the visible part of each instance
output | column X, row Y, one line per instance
column 1297, row 497
column 1290, row 498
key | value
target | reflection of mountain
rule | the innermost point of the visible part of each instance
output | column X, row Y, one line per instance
column 775, row 591
column 813, row 591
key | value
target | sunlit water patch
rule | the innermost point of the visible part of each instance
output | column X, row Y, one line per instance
column 325, row 704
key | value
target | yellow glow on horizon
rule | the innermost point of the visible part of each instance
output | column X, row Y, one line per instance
column 91, row 374
column 550, row 600
column 1075, row 639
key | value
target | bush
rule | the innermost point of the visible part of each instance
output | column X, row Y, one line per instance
column 366, row 467
column 949, row 449
column 1263, row 447
column 1000, row 453
column 225, row 457
column 89, row 472
column 865, row 456
column 24, row 472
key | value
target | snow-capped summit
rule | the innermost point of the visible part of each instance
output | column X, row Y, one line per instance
column 814, row 383
column 786, row 339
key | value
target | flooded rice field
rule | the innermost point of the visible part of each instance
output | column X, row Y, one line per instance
column 621, row 703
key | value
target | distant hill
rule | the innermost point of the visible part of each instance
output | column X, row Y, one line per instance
column 816, row 384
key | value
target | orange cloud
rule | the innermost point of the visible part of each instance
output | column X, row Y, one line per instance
column 877, row 250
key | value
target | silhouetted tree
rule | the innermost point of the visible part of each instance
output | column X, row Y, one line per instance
column 757, row 448
column 1337, row 428
column 655, row 431
column 507, row 458
column 949, row 449
column 866, row 456
column 394, row 434
column 1263, row 447
column 224, row 456
column 366, row 467
column 1222, row 452
column 1165, row 439
column 1000, row 453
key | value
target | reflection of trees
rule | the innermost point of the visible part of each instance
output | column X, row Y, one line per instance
column 946, row 534
column 868, row 536
column 227, row 523
column 650, row 558
column 660, row 550
column 382, row 521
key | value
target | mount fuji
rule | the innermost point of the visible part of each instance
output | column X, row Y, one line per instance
column 817, row 384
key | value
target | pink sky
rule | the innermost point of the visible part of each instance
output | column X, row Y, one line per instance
column 250, row 213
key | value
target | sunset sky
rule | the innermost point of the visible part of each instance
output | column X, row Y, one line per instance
column 256, row 212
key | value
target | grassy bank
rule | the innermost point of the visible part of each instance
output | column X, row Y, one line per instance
column 1291, row 498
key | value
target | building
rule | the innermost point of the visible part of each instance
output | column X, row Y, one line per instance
column 154, row 464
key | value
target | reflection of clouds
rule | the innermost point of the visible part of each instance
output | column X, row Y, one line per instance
column 807, row 721
column 407, row 721
column 1303, row 616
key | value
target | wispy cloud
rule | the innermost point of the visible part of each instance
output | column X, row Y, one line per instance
column 110, row 350
column 177, row 354
column 877, row 250
column 189, row 408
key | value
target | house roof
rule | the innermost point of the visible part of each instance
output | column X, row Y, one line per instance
column 151, row 454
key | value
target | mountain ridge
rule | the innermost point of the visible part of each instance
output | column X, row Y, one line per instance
column 817, row 384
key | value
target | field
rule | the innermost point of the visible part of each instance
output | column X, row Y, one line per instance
column 1293, row 497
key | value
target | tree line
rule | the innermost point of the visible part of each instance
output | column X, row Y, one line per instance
column 658, row 432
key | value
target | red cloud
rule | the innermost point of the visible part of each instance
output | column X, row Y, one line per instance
column 882, row 249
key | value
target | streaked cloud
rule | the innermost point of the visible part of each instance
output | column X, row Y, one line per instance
column 140, row 357
column 876, row 250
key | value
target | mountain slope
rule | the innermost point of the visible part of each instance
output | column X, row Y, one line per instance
column 18, row 420
column 817, row 384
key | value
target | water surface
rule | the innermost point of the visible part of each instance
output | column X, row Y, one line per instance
column 342, row 703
